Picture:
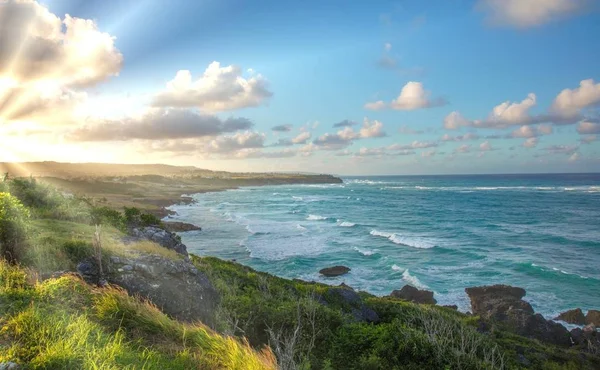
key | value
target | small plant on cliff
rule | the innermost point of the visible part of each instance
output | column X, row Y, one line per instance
column 13, row 223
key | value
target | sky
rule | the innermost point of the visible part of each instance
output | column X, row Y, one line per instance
column 342, row 87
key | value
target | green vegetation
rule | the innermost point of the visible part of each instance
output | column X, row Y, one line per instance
column 263, row 321
column 66, row 324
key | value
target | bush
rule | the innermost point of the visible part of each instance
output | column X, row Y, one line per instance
column 13, row 224
column 108, row 216
column 135, row 217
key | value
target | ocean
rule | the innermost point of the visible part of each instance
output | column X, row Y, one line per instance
column 441, row 233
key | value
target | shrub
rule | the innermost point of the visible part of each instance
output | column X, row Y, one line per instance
column 108, row 216
column 13, row 223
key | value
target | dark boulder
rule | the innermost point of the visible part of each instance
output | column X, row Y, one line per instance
column 334, row 271
column 504, row 304
column 593, row 317
column 412, row 294
column 176, row 287
column 164, row 238
column 350, row 301
column 572, row 317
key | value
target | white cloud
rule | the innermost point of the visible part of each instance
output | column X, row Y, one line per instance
column 574, row 157
column 454, row 120
column 377, row 105
column 45, row 60
column 570, row 102
column 413, row 96
column 466, row 137
column 371, row 129
column 387, row 46
column 465, row 148
column 218, row 89
column 428, row 153
column 532, row 131
column 302, row 138
column 238, row 141
column 588, row 127
column 508, row 113
column 531, row 142
column 345, row 137
column 529, row 13
column 485, row 146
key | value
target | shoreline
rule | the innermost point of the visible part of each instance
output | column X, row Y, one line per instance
column 550, row 312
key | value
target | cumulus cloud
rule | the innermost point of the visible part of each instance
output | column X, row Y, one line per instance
column 377, row 105
column 570, row 102
column 413, row 96
column 159, row 124
column 529, row 13
column 588, row 127
column 282, row 128
column 531, row 142
column 465, row 148
column 531, row 131
column 574, row 157
column 380, row 152
column 236, row 142
column 502, row 115
column 218, row 89
column 455, row 120
column 428, row 153
column 345, row 137
column 485, row 146
column 44, row 60
column 302, row 138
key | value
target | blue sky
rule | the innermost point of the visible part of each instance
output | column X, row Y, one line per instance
column 318, row 63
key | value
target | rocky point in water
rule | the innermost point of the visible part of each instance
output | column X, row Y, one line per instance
column 412, row 294
column 593, row 318
column 334, row 271
column 575, row 317
column 503, row 304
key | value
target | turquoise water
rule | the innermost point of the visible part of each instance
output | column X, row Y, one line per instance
column 443, row 233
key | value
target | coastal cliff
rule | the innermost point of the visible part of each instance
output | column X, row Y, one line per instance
column 133, row 295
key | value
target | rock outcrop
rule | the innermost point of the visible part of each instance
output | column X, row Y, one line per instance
column 352, row 301
column 179, row 227
column 174, row 286
column 412, row 294
column 334, row 271
column 504, row 304
column 593, row 318
column 164, row 238
column 575, row 316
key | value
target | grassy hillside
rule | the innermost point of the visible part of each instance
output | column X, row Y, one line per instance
column 57, row 321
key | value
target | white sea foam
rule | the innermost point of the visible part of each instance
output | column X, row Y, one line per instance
column 300, row 227
column 364, row 252
column 316, row 218
column 403, row 240
column 381, row 233
column 346, row 224
column 396, row 268
column 297, row 198
column 412, row 280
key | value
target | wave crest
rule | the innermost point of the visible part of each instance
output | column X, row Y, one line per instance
column 316, row 218
column 402, row 240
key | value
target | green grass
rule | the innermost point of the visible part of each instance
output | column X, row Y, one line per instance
column 66, row 324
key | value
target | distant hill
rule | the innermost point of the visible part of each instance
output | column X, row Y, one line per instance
column 78, row 170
